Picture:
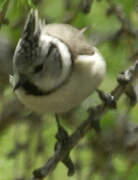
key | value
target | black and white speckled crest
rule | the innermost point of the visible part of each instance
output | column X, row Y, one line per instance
column 28, row 48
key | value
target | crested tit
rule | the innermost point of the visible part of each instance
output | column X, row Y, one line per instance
column 55, row 67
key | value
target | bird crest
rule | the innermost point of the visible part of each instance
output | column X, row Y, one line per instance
column 29, row 41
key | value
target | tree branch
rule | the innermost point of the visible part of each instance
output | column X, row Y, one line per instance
column 125, row 80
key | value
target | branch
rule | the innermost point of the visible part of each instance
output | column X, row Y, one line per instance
column 83, row 6
column 125, row 80
column 3, row 13
column 125, row 23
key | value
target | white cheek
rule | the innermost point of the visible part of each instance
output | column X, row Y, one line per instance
column 64, row 51
column 65, row 58
column 12, row 80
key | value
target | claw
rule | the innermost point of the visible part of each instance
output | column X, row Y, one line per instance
column 108, row 99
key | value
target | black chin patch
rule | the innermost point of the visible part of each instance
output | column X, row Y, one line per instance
column 32, row 89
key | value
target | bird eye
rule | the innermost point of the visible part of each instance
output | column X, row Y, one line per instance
column 38, row 68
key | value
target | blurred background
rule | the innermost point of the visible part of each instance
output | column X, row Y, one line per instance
column 27, row 139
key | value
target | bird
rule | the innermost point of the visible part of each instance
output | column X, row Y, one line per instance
column 55, row 68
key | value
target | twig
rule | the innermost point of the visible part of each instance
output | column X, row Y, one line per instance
column 83, row 6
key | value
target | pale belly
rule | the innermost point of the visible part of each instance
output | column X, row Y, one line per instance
column 58, row 102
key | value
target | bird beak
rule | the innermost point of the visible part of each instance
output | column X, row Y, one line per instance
column 17, row 85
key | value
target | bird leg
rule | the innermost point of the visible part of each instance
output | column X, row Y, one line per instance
column 62, row 141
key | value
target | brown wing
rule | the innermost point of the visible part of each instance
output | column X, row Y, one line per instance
column 73, row 37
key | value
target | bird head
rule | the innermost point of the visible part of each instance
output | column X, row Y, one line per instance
column 38, row 57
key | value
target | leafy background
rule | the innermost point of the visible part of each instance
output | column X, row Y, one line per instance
column 25, row 141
